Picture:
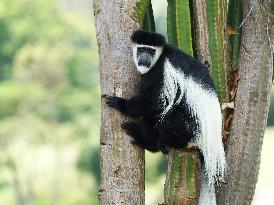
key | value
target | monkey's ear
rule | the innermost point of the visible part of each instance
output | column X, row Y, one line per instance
column 148, row 38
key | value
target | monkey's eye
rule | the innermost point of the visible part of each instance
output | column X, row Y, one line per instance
column 142, row 49
column 151, row 51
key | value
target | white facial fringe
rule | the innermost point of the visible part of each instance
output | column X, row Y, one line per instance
column 204, row 105
column 143, row 69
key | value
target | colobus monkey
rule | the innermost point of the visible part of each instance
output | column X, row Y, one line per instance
column 176, row 105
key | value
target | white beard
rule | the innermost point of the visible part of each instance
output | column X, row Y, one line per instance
column 143, row 69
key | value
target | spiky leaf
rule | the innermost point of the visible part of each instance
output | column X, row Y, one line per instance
column 234, row 20
column 216, row 46
column 140, row 9
column 179, row 25
column 149, row 23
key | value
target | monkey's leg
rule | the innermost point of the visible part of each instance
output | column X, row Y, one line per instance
column 172, row 138
column 143, row 135
column 133, row 107
column 163, row 146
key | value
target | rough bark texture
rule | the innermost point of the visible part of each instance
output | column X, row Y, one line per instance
column 182, row 185
column 201, row 32
column 251, row 106
column 122, row 164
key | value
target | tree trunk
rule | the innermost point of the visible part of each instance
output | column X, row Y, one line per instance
column 251, row 106
column 182, row 185
column 122, row 164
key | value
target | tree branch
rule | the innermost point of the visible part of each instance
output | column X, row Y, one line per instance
column 251, row 108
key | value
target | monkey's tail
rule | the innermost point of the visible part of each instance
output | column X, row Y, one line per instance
column 207, row 192
column 213, row 166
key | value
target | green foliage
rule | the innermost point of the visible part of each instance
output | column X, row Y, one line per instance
column 42, row 64
column 17, row 17
column 88, row 161
column 140, row 9
column 52, row 33
column 171, row 22
column 234, row 19
column 79, row 69
column 214, row 10
column 10, row 98
column 5, row 53
column 45, row 62
column 149, row 24
column 17, row 98
column 179, row 25
column 68, row 107
column 183, row 26
column 155, row 167
column 49, row 101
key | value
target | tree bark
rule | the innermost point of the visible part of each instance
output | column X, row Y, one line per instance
column 251, row 106
column 201, row 32
column 122, row 164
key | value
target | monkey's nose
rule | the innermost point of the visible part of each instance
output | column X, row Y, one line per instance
column 144, row 60
column 144, row 63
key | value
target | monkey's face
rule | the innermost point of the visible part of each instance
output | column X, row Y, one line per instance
column 145, row 57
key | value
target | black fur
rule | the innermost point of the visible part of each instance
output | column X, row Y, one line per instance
column 178, row 126
column 148, row 38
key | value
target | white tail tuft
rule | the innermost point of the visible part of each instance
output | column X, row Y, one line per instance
column 205, row 105
column 207, row 193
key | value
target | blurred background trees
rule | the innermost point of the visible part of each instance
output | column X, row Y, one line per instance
column 50, row 107
column 49, row 103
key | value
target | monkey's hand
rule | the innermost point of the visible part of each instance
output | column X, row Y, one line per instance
column 115, row 102
column 133, row 107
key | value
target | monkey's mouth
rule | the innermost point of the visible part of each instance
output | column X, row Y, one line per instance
column 144, row 63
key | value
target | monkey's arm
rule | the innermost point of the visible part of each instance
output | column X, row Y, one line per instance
column 133, row 107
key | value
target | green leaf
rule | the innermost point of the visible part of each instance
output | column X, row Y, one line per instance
column 234, row 20
column 140, row 9
column 183, row 26
column 216, row 46
column 149, row 24
column 179, row 25
column 171, row 22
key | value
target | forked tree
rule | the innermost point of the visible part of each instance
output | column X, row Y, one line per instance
column 236, row 44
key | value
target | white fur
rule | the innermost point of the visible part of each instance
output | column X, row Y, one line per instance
column 205, row 106
column 173, row 82
column 207, row 192
column 144, row 69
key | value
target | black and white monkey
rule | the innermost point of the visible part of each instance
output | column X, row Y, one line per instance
column 176, row 105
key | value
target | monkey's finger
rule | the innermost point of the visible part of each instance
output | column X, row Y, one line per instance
column 134, row 142
column 111, row 101
column 125, row 125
